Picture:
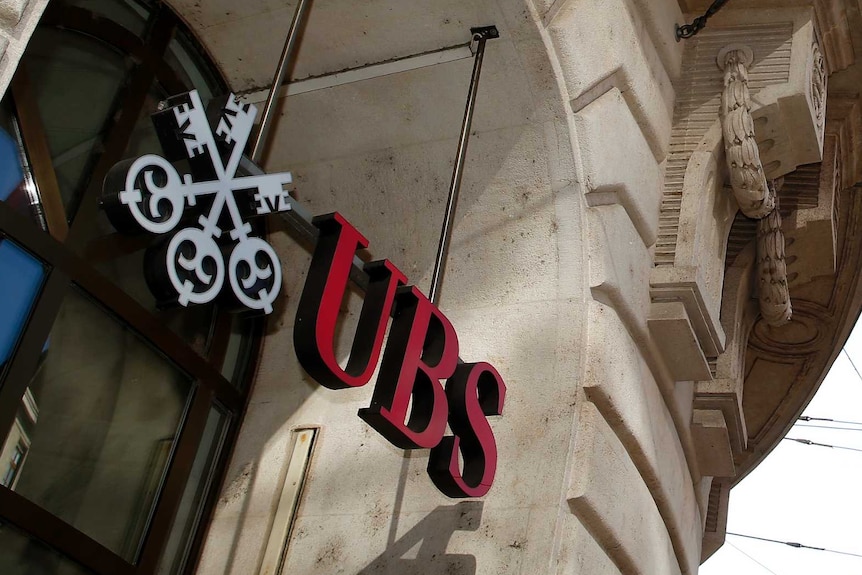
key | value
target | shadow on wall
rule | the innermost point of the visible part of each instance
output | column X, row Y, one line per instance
column 432, row 534
column 381, row 153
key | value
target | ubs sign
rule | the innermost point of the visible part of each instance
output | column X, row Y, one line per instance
column 410, row 405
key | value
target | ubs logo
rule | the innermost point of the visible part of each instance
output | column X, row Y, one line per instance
column 422, row 385
column 207, row 210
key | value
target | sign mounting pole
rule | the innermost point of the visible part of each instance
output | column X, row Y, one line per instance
column 278, row 79
column 480, row 36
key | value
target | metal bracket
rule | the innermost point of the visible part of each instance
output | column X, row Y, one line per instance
column 482, row 33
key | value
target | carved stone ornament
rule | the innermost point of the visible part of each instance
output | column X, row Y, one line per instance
column 754, row 196
column 818, row 87
column 774, row 294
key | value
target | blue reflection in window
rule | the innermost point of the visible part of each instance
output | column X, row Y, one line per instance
column 11, row 175
column 21, row 274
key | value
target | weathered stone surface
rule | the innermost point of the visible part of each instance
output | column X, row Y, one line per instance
column 620, row 514
column 617, row 273
column 625, row 393
column 713, row 443
column 18, row 19
column 671, row 329
column 11, row 12
column 617, row 173
column 580, row 552
column 586, row 36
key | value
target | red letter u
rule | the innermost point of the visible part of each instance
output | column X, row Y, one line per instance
column 319, row 305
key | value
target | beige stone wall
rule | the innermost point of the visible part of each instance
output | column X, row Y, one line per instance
column 547, row 280
column 580, row 154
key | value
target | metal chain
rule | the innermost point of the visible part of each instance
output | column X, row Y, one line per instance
column 689, row 30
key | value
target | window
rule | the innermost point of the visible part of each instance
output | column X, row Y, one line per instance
column 116, row 411
column 16, row 459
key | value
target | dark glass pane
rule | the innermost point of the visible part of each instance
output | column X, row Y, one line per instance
column 21, row 277
column 121, row 258
column 20, row 555
column 185, row 59
column 239, row 348
column 76, row 80
column 130, row 15
column 198, row 486
column 105, row 411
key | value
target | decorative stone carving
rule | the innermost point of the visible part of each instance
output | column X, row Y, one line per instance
column 772, row 270
column 754, row 196
column 757, row 199
column 818, row 88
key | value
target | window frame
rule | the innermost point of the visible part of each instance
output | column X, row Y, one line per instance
column 67, row 263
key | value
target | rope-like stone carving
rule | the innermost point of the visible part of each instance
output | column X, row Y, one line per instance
column 772, row 268
column 756, row 198
column 747, row 179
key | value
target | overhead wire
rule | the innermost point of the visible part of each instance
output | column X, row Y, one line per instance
column 828, row 427
column 844, row 349
column 806, row 418
column 826, row 419
column 809, row 442
column 752, row 558
column 796, row 545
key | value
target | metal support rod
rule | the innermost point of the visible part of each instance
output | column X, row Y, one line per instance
column 278, row 79
column 481, row 35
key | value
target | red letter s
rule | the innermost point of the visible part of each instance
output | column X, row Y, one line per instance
column 475, row 391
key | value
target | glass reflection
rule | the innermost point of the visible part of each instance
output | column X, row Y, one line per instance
column 21, row 277
column 97, row 427
column 191, row 505
column 20, row 555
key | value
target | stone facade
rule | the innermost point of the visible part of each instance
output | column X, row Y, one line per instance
column 600, row 262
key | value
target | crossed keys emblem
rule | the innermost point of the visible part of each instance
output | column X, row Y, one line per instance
column 198, row 256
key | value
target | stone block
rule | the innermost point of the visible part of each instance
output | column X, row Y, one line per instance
column 621, row 386
column 724, row 395
column 790, row 118
column 599, row 47
column 696, row 279
column 658, row 18
column 712, row 440
column 671, row 329
column 11, row 12
column 669, row 284
column 812, row 229
column 618, row 165
column 619, row 266
column 580, row 553
column 610, row 497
